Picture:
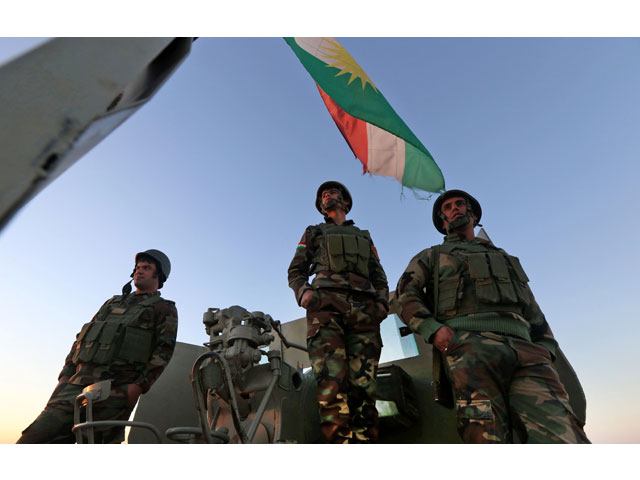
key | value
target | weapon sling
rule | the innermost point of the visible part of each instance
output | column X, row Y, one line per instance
column 442, row 390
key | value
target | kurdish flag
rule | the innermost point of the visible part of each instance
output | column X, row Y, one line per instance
column 376, row 134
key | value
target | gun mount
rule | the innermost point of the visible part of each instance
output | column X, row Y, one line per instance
column 234, row 392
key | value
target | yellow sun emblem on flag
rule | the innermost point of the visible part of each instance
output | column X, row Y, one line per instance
column 341, row 59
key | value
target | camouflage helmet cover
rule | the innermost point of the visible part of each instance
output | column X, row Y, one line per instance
column 161, row 259
column 475, row 206
column 333, row 184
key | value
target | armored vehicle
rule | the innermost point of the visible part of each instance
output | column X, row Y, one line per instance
column 251, row 383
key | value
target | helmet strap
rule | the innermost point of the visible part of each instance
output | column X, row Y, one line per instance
column 126, row 289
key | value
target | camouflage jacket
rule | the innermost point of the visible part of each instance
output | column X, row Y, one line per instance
column 481, row 287
column 312, row 257
column 160, row 319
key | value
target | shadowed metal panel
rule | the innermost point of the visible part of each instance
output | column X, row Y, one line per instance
column 169, row 403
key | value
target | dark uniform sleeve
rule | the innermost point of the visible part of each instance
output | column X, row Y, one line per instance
column 540, row 330
column 378, row 278
column 410, row 292
column 69, row 368
column 298, row 272
column 166, row 330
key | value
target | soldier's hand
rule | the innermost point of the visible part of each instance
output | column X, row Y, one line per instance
column 442, row 338
column 133, row 392
column 306, row 298
column 382, row 308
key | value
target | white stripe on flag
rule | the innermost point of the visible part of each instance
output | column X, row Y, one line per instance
column 317, row 46
column 386, row 153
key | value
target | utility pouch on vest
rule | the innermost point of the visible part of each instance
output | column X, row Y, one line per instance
column 503, row 279
column 364, row 251
column 350, row 249
column 348, row 253
column 86, row 344
column 136, row 345
column 107, row 344
column 448, row 296
column 521, row 284
column 486, row 290
column 116, row 335
column 337, row 260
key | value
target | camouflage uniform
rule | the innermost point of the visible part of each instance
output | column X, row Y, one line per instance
column 135, row 352
column 343, row 325
column 500, row 357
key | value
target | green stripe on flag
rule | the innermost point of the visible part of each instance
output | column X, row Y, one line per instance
column 369, row 105
column 420, row 172
column 365, row 104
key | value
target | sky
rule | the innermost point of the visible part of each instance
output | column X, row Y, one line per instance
column 219, row 171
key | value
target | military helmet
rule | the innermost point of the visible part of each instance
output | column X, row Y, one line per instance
column 475, row 206
column 333, row 184
column 161, row 260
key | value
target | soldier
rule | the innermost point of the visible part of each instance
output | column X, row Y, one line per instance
column 129, row 341
column 345, row 304
column 480, row 315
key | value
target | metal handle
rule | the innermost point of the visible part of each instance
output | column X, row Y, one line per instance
column 276, row 326
column 112, row 423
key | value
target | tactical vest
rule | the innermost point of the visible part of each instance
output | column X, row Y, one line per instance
column 116, row 334
column 487, row 279
column 343, row 249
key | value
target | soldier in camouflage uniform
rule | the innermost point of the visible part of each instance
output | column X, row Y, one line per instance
column 345, row 304
column 129, row 341
column 497, row 347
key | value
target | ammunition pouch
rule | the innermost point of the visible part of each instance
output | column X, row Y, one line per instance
column 137, row 344
column 520, row 282
column 495, row 282
column 449, row 292
column 348, row 253
column 116, row 335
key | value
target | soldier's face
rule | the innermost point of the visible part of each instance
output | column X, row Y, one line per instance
column 145, row 277
column 332, row 193
column 453, row 208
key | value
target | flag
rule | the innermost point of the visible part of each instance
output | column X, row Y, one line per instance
column 375, row 133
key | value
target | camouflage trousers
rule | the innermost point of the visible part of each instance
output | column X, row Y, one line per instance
column 343, row 337
column 501, row 384
column 54, row 424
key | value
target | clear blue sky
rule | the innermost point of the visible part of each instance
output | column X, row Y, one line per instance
column 220, row 170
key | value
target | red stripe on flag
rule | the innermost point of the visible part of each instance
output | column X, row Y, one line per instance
column 353, row 129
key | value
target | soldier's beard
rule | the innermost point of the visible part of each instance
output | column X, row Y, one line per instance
column 458, row 222
column 331, row 204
